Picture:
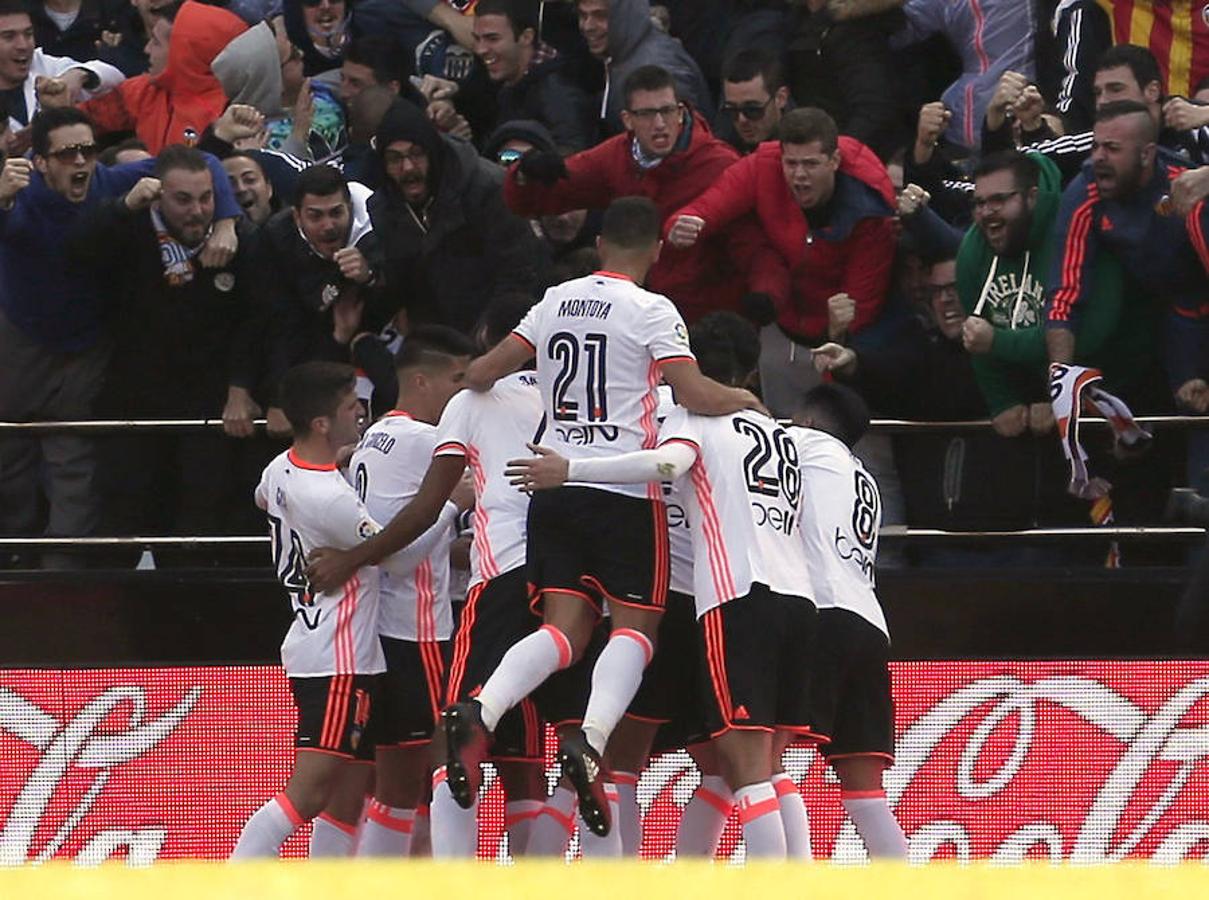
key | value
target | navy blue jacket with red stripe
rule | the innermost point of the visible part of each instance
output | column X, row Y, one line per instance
column 1166, row 255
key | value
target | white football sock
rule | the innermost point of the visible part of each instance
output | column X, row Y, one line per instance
column 615, row 681
column 609, row 846
column 628, row 819
column 550, row 831
column 760, row 815
column 528, row 663
column 267, row 829
column 455, row 831
column 421, row 834
column 519, row 816
column 875, row 823
column 704, row 818
column 793, row 818
column 386, row 831
column 331, row 838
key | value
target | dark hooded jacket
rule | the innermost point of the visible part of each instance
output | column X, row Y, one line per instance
column 546, row 94
column 447, row 261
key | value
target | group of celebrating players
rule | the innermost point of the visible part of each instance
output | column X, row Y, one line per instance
column 655, row 564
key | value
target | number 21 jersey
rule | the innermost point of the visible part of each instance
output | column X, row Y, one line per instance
column 311, row 506
column 599, row 342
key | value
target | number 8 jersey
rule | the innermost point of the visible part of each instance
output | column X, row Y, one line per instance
column 599, row 341
column 742, row 496
column 312, row 506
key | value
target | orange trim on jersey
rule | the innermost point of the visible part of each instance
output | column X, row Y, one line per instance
column 749, row 812
column 350, row 830
column 379, row 814
column 536, row 594
column 461, row 643
column 733, row 727
column 679, row 357
column 524, row 340
column 663, row 547
column 644, row 642
column 711, row 528
column 607, row 274
column 398, row 413
column 862, row 795
column 804, row 734
column 783, row 784
column 650, row 720
column 714, row 799
column 335, row 713
column 715, row 657
column 567, row 822
column 885, row 757
column 288, row 808
column 434, row 675
column 439, row 777
column 300, row 463
column 1073, row 252
column 482, row 557
column 440, row 449
column 565, row 651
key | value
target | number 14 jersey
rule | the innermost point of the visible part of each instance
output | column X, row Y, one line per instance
column 742, row 496
column 312, row 506
column 599, row 342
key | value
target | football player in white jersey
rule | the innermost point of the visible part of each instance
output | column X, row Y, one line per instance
column 480, row 432
column 751, row 586
column 841, row 514
column 331, row 652
column 602, row 345
column 415, row 621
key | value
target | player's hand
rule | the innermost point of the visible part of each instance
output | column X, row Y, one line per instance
column 1040, row 418
column 14, row 178
column 545, row 470
column 328, row 570
column 1009, row 90
column 1183, row 115
column 977, row 335
column 1193, row 395
column 276, row 424
column 239, row 412
column 685, row 231
column 831, row 357
column 1189, row 189
column 747, row 400
column 463, row 492
column 238, row 122
column 353, row 265
column 912, row 199
column 841, row 310
column 145, row 192
column 220, row 246
column 1012, row 422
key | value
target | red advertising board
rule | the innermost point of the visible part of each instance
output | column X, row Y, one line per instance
column 1087, row 761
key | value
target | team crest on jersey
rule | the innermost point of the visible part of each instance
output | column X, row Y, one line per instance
column 224, row 281
column 681, row 333
column 366, row 529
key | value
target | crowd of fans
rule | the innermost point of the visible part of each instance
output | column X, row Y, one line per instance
column 932, row 201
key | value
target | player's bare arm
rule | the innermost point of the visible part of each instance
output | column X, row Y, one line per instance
column 704, row 396
column 503, row 359
column 328, row 568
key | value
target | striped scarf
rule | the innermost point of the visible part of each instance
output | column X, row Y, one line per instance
column 177, row 259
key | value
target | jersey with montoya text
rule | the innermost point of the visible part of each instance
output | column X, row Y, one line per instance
column 387, row 468
column 488, row 429
column 742, row 497
column 841, row 514
column 599, row 342
column 309, row 507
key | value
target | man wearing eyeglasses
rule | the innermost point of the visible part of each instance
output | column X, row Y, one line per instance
column 754, row 96
column 667, row 155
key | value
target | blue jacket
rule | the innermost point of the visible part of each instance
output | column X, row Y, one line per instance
column 1165, row 254
column 39, row 293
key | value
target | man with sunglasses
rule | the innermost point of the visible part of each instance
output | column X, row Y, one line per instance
column 54, row 336
column 754, row 96
column 667, row 155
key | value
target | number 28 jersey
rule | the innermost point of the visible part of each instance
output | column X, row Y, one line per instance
column 308, row 507
column 599, row 341
column 742, row 497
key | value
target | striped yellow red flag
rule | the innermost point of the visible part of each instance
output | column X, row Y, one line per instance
column 1175, row 31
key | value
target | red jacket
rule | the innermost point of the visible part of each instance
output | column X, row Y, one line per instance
column 800, row 271
column 186, row 95
column 704, row 278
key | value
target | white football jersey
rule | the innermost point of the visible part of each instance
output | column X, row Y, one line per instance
column 599, row 341
column 680, row 536
column 841, row 516
column 387, row 468
column 309, row 507
column 742, row 498
column 488, row 429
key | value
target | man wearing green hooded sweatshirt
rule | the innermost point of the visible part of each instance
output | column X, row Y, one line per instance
column 1002, row 266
